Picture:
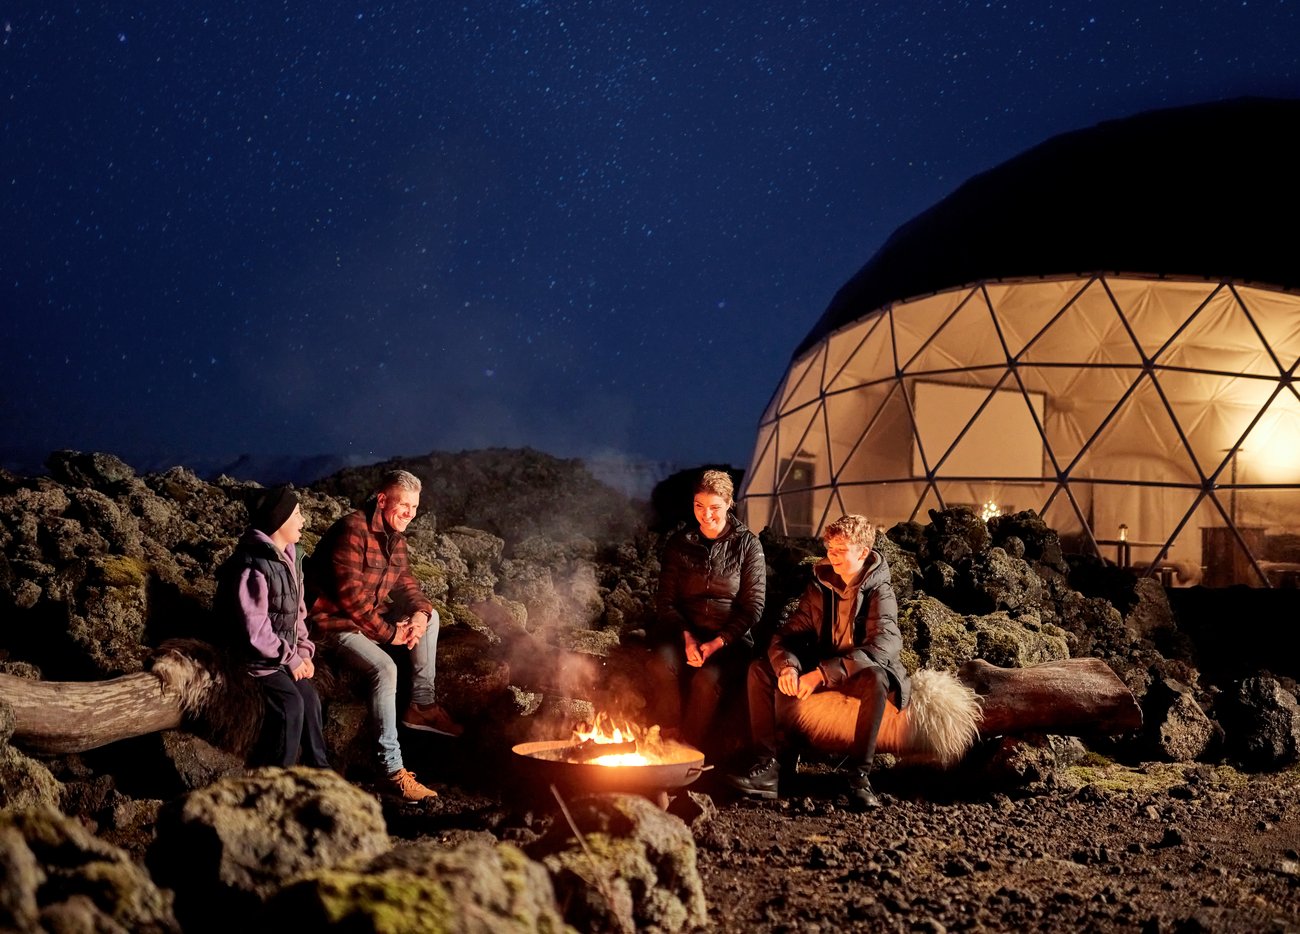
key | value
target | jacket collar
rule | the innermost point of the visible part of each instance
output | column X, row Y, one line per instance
column 734, row 527
column 257, row 540
column 375, row 520
column 827, row 577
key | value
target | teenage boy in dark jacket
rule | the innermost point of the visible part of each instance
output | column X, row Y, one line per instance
column 843, row 637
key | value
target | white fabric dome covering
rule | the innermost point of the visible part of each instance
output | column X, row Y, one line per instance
column 1099, row 402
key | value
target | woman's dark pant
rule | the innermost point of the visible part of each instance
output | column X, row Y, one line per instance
column 703, row 687
column 292, row 721
column 770, row 711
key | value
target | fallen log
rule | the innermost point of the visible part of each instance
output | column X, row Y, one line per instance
column 1071, row 697
column 56, row 717
column 948, row 713
column 186, row 684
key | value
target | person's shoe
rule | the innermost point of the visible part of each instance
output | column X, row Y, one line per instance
column 431, row 718
column 761, row 780
column 860, row 793
column 403, row 785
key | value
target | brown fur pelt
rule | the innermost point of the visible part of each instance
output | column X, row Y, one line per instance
column 939, row 724
column 220, row 701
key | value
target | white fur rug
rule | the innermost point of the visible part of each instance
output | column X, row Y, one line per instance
column 939, row 724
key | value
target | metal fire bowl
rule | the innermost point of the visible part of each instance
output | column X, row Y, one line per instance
column 540, row 762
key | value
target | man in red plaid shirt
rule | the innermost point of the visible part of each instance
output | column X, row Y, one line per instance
column 366, row 604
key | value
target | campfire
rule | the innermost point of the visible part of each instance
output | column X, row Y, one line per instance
column 604, row 743
column 612, row 755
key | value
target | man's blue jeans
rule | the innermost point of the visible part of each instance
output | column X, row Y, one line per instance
column 375, row 662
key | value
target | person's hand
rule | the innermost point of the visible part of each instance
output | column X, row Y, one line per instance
column 708, row 648
column 305, row 670
column 419, row 626
column 808, row 683
column 788, row 681
column 403, row 634
column 694, row 658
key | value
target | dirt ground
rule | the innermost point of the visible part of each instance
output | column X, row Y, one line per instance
column 1158, row 848
column 1100, row 846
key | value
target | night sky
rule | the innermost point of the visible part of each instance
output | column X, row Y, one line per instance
column 372, row 229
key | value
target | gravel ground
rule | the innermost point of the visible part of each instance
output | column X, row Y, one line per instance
column 1102, row 848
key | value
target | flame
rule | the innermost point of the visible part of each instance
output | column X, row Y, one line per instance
column 605, row 730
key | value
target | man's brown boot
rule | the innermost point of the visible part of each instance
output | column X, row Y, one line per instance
column 403, row 785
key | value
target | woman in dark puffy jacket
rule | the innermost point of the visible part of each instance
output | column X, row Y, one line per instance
column 711, row 592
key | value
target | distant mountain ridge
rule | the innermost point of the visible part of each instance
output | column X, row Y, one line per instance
column 634, row 477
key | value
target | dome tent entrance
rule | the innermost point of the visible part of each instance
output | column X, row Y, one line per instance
column 1149, row 417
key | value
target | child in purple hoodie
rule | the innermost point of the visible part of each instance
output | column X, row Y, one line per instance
column 260, row 596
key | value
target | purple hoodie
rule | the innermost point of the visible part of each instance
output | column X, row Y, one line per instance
column 251, row 592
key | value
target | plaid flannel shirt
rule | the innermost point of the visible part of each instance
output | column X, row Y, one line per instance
column 360, row 576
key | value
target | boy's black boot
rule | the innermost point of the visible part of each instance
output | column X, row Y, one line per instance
column 860, row 793
column 760, row 780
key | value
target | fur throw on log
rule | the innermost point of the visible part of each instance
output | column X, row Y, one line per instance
column 938, row 726
column 218, row 698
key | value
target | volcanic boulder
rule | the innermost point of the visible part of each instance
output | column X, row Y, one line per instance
column 57, row 877
column 631, row 867
column 1262, row 720
column 424, row 887
column 227, row 848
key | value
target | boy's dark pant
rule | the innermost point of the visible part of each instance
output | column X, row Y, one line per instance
column 292, row 721
column 770, row 711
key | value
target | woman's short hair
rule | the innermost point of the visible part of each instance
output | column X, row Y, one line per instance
column 396, row 480
column 854, row 529
column 717, row 482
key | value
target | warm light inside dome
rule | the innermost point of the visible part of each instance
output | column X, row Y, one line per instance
column 1271, row 453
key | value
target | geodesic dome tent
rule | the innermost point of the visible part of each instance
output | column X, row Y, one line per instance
column 1104, row 330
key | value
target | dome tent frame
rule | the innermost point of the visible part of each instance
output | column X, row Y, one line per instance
column 1103, row 329
column 1138, row 370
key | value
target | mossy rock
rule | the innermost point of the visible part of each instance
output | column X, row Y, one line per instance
column 425, row 887
column 432, row 577
column 1111, row 778
column 25, row 782
column 386, row 903
column 941, row 637
column 1003, row 641
column 122, row 571
column 56, row 869
column 643, row 858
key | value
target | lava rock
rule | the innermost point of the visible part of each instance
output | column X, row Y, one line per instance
column 1262, row 722
column 938, row 634
column 645, row 874
column 956, row 534
column 57, row 877
column 1182, row 731
column 25, row 782
column 228, row 847
column 424, row 887
column 96, row 470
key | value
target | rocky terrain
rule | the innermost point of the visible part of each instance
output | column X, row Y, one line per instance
column 1106, row 848
column 545, row 578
